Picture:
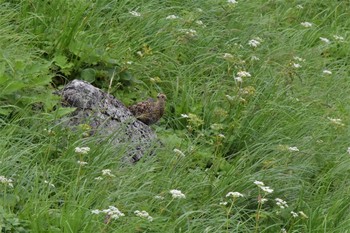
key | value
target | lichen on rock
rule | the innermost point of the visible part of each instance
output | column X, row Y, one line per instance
column 108, row 118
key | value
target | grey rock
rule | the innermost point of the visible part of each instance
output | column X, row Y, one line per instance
column 109, row 120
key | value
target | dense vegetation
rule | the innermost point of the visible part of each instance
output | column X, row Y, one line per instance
column 256, row 131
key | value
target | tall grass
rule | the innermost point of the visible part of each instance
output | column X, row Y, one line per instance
column 286, row 125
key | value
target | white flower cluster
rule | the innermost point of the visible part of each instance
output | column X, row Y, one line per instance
column 6, row 181
column 298, row 59
column 262, row 200
column 243, row 74
column 172, row 17
column 227, row 56
column 306, row 24
column 232, row 1
column 107, row 172
column 282, row 204
column 327, row 72
column 325, row 40
column 254, row 42
column 189, row 32
column 295, row 215
column 234, row 194
column 82, row 150
column 296, row 65
column 135, row 13
column 143, row 214
column 338, row 38
column 159, row 197
column 336, row 121
column 82, row 163
column 177, row 194
column 112, row 212
column 262, row 186
column 293, row 149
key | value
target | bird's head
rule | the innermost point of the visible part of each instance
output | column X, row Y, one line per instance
column 161, row 96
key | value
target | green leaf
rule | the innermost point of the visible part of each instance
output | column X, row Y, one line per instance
column 88, row 75
column 12, row 87
column 62, row 62
column 60, row 112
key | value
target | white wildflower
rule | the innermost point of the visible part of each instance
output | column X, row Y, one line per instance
column 135, row 13
column 200, row 23
column 234, row 194
column 230, row 98
column 50, row 184
column 107, row 172
column 302, row 214
column 283, row 230
column 255, row 58
column 300, row 6
column 172, row 17
column 82, row 150
column 184, row 116
column 129, row 62
column 325, row 40
column 327, row 72
column 298, row 59
column 239, row 79
column 293, row 149
column 306, row 24
column 227, row 56
column 254, row 43
column 6, row 181
column 159, row 197
column 143, row 214
column 82, row 163
column 177, row 194
column 139, row 53
column 95, row 211
column 223, row 203
column 259, row 183
column 189, row 32
column 262, row 200
column 338, row 38
column 243, row 74
column 296, row 65
column 282, row 204
column 221, row 135
column 232, row 1
column 113, row 212
column 179, row 152
column 336, row 121
column 266, row 189
column 295, row 215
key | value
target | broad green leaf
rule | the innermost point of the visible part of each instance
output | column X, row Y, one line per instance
column 12, row 87
column 88, row 75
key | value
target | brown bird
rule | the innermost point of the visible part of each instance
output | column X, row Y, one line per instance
column 150, row 111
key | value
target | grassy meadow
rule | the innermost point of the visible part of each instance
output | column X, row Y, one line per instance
column 256, row 129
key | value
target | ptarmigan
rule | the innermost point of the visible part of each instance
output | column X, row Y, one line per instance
column 150, row 111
